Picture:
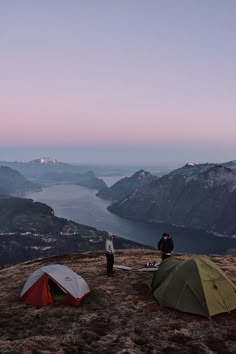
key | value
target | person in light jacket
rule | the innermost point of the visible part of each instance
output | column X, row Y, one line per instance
column 109, row 253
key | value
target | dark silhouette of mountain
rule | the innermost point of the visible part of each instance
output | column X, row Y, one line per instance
column 30, row 230
column 206, row 200
column 25, row 215
column 126, row 186
column 50, row 171
column 13, row 183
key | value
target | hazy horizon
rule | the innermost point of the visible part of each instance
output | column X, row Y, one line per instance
column 118, row 155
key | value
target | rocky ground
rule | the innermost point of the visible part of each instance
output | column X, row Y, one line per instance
column 119, row 316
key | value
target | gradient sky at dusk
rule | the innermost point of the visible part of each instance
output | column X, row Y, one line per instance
column 104, row 80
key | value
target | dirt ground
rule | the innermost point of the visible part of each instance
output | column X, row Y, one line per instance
column 119, row 316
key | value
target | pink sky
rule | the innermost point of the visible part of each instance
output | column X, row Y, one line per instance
column 82, row 74
column 30, row 121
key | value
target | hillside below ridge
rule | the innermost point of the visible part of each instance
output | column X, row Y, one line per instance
column 201, row 201
column 119, row 315
column 29, row 230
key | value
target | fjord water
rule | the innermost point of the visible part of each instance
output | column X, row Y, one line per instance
column 81, row 205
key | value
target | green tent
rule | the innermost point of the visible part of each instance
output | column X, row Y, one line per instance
column 165, row 269
column 195, row 286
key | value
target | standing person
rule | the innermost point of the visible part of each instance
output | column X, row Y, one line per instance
column 165, row 245
column 109, row 253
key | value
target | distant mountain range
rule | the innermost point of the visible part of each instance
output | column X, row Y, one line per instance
column 87, row 179
column 50, row 171
column 13, row 183
column 192, row 168
column 35, row 168
column 197, row 195
column 30, row 230
column 126, row 186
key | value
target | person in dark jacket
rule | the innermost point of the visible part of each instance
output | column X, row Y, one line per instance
column 165, row 245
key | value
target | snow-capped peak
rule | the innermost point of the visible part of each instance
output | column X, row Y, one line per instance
column 48, row 160
column 190, row 164
column 45, row 161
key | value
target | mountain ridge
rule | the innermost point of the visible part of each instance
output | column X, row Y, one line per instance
column 206, row 200
column 126, row 186
column 12, row 182
column 193, row 168
column 48, row 170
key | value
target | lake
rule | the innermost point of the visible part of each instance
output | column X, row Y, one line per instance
column 81, row 205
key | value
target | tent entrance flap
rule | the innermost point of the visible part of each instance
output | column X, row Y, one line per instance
column 57, row 293
column 54, row 288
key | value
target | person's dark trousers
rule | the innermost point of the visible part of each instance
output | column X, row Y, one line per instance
column 164, row 256
column 110, row 262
